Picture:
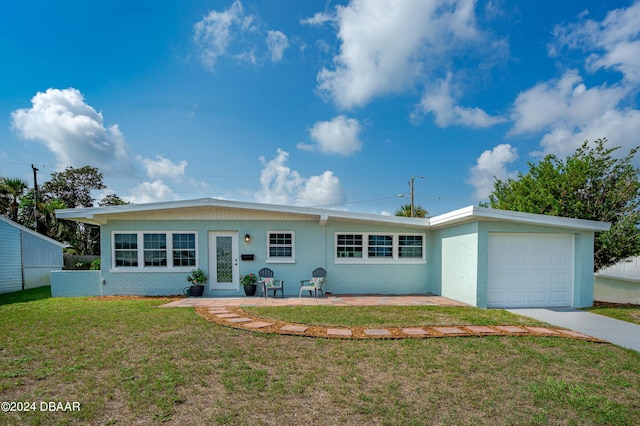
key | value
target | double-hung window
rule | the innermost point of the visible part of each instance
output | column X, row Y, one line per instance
column 157, row 250
column 281, row 247
column 365, row 247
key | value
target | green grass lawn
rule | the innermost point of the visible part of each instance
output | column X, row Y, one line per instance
column 629, row 313
column 128, row 362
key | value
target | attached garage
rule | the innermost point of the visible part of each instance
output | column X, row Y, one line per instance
column 530, row 270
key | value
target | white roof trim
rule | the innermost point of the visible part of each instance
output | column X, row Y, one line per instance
column 472, row 213
column 98, row 215
column 30, row 231
column 94, row 214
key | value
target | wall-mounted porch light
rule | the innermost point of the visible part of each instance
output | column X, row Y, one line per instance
column 247, row 238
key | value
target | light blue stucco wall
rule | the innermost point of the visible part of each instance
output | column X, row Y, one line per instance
column 455, row 263
column 75, row 283
column 375, row 278
column 314, row 247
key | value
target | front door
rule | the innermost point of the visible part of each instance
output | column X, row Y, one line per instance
column 223, row 261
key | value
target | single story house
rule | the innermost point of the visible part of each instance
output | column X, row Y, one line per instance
column 26, row 257
column 480, row 256
column 619, row 283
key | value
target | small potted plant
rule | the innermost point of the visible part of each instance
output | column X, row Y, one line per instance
column 197, row 278
column 249, row 283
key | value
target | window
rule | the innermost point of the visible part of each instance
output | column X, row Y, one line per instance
column 281, row 247
column 155, row 250
column 126, row 250
column 349, row 245
column 184, row 249
column 379, row 248
column 410, row 246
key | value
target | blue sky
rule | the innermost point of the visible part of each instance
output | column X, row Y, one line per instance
column 313, row 103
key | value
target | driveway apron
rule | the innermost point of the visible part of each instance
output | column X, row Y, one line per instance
column 618, row 332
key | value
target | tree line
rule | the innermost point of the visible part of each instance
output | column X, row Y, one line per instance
column 35, row 208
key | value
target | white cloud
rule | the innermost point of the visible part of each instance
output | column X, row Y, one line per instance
column 318, row 19
column 567, row 110
column 387, row 46
column 613, row 43
column 73, row 131
column 277, row 42
column 490, row 165
column 440, row 101
column 150, row 192
column 338, row 136
column 282, row 185
column 163, row 167
column 214, row 33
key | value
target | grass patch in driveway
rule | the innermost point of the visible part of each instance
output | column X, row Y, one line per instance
column 623, row 312
column 128, row 362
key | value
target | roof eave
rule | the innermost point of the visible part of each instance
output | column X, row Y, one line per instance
column 474, row 213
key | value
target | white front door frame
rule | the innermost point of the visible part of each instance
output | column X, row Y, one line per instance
column 223, row 261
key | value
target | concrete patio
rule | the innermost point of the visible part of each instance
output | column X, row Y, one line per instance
column 330, row 300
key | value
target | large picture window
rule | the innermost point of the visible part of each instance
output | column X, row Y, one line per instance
column 379, row 248
column 281, row 247
column 158, row 250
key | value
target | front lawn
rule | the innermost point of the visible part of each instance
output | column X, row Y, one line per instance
column 624, row 312
column 128, row 362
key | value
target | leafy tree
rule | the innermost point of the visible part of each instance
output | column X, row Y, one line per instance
column 112, row 200
column 73, row 186
column 11, row 191
column 590, row 184
column 405, row 211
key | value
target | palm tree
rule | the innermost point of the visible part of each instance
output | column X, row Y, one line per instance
column 405, row 211
column 11, row 190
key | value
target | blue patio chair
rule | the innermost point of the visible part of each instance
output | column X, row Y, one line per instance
column 269, row 283
column 314, row 286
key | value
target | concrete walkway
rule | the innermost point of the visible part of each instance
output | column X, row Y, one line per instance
column 618, row 332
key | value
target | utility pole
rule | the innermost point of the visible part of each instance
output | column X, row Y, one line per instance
column 411, row 182
column 35, row 197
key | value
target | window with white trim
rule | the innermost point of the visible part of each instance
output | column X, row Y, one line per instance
column 157, row 250
column 379, row 248
column 280, row 247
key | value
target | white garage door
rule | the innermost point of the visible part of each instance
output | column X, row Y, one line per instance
column 530, row 270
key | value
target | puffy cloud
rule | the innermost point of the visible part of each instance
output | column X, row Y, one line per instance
column 567, row 110
column 235, row 33
column 213, row 33
column 440, row 101
column 338, row 136
column 282, row 185
column 490, row 165
column 73, row 131
column 150, row 192
column 277, row 42
column 387, row 46
column 613, row 43
column 163, row 167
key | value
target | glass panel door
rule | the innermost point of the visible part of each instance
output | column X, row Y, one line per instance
column 223, row 261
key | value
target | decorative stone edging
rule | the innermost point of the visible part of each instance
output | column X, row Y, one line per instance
column 239, row 319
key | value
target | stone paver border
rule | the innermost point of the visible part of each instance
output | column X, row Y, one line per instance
column 235, row 317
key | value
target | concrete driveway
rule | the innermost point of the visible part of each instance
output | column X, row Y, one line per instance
column 618, row 332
